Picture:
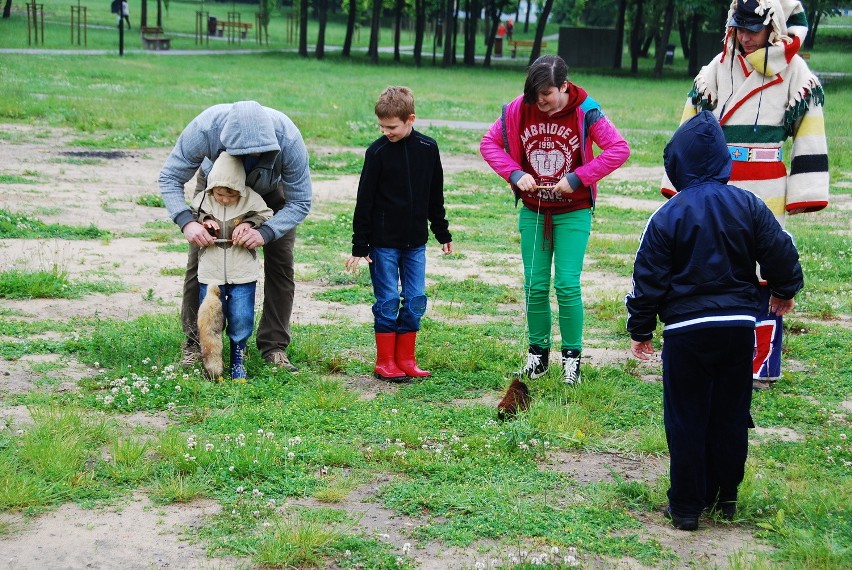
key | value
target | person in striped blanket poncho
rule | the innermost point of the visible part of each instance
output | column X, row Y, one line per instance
column 763, row 93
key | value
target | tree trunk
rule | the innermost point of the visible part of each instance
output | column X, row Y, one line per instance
column 143, row 14
column 303, row 28
column 619, row 34
column 399, row 6
column 535, row 52
column 668, row 16
column 419, row 30
column 7, row 9
column 471, row 22
column 350, row 27
column 636, row 36
column 447, row 59
column 375, row 21
column 322, row 20
column 160, row 14
column 527, row 17
column 684, row 34
column 692, row 71
column 813, row 19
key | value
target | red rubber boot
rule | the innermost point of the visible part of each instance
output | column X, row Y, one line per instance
column 386, row 368
column 405, row 355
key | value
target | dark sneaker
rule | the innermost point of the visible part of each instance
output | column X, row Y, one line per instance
column 679, row 522
column 571, row 366
column 536, row 366
column 725, row 509
column 279, row 358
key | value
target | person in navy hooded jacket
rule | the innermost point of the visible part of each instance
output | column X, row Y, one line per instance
column 695, row 270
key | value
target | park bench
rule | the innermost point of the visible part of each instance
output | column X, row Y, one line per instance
column 242, row 27
column 153, row 38
column 523, row 44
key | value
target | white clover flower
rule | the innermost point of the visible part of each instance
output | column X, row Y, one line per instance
column 347, row 553
column 554, row 550
column 208, row 447
column 171, row 406
column 843, row 436
column 240, row 489
column 256, row 493
column 96, row 364
column 406, row 547
column 291, row 455
column 177, row 388
column 260, row 432
column 108, row 400
column 267, row 524
column 146, row 360
column 479, row 565
column 231, row 468
column 270, row 503
column 399, row 561
column 19, row 432
column 255, row 514
column 269, row 435
column 394, row 411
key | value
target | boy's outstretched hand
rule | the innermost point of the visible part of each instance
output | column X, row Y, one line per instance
column 642, row 349
column 352, row 262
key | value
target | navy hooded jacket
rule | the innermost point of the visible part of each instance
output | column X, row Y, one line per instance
column 695, row 266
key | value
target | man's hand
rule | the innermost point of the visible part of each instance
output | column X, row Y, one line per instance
column 642, row 349
column 197, row 235
column 247, row 237
column 447, row 248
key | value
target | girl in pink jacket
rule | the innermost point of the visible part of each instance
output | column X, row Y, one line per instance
column 542, row 146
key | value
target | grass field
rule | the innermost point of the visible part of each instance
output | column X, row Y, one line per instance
column 285, row 454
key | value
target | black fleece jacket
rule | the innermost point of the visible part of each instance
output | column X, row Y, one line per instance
column 401, row 189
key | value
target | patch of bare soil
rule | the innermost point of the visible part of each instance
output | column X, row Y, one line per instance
column 78, row 187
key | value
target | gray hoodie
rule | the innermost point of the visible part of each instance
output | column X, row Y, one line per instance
column 243, row 128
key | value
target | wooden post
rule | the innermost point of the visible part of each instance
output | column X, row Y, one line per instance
column 261, row 33
column 35, row 18
column 79, row 20
column 202, row 27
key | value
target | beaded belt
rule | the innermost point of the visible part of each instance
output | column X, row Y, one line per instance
column 754, row 154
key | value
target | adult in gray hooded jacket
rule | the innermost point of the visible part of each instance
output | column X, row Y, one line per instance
column 276, row 163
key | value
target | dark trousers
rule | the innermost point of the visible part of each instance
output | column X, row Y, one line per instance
column 706, row 398
column 279, row 287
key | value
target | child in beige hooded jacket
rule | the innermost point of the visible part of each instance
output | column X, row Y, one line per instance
column 227, row 208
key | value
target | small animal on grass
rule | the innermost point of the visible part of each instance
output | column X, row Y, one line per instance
column 211, row 322
column 517, row 399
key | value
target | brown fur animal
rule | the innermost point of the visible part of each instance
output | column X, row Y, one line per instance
column 211, row 322
column 517, row 399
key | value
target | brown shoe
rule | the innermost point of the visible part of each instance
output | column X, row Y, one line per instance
column 279, row 358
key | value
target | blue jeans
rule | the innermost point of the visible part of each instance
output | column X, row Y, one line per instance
column 238, row 308
column 398, row 310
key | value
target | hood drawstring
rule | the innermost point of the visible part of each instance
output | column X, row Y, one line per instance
column 762, row 81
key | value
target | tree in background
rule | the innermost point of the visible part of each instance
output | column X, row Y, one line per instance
column 351, row 19
column 815, row 10
column 7, row 9
column 322, row 18
column 375, row 27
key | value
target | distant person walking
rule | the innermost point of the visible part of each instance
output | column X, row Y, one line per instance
column 125, row 13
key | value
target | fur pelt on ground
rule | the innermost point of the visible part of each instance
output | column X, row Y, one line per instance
column 211, row 321
column 517, row 399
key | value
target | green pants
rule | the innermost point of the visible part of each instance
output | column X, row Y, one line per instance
column 570, row 238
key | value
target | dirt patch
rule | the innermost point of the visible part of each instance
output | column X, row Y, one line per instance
column 135, row 535
column 588, row 468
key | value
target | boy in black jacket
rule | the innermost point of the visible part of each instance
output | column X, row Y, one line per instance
column 695, row 269
column 401, row 189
